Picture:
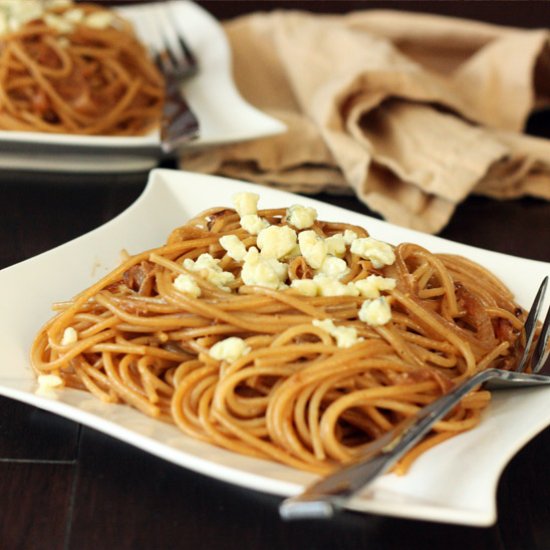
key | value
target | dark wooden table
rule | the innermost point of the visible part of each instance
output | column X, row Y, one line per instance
column 64, row 486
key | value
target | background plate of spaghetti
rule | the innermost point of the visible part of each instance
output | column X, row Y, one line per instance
column 223, row 114
column 454, row 481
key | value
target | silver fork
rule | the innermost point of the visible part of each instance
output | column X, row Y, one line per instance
column 177, row 62
column 322, row 498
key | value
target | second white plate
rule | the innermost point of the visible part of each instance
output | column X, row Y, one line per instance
column 223, row 114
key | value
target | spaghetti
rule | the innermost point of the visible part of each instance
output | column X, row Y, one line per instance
column 78, row 70
column 297, row 367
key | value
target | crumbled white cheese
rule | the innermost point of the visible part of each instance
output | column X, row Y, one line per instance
column 378, row 252
column 371, row 286
column 253, row 223
column 345, row 336
column 59, row 23
column 321, row 285
column 306, row 287
column 75, row 15
column 327, row 286
column 63, row 41
column 349, row 236
column 246, row 203
column 187, row 285
column 301, row 217
column 16, row 13
column 234, row 246
column 336, row 245
column 99, row 20
column 276, row 241
column 204, row 261
column 70, row 336
column 334, row 267
column 294, row 253
column 313, row 248
column 375, row 312
column 230, row 349
column 47, row 384
column 261, row 271
column 207, row 267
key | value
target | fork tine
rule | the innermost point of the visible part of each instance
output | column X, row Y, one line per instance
column 531, row 324
column 189, row 55
column 540, row 355
column 182, row 61
column 173, row 62
column 163, row 61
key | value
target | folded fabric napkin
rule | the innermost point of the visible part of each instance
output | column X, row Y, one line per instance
column 412, row 112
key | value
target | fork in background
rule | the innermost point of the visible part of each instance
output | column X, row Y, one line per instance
column 174, row 55
column 177, row 62
column 332, row 492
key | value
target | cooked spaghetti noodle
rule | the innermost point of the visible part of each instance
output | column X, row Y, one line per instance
column 292, row 388
column 78, row 70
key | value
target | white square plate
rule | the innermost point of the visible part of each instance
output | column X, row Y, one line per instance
column 224, row 116
column 454, row 482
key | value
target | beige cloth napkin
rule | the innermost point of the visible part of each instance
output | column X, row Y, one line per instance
column 412, row 112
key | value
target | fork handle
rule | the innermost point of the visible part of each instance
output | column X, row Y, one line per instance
column 321, row 499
